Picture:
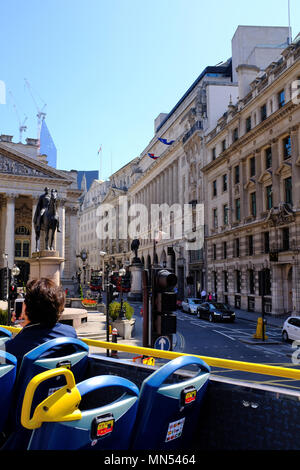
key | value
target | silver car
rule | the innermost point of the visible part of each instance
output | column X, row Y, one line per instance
column 190, row 305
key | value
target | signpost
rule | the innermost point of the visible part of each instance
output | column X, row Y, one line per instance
column 163, row 343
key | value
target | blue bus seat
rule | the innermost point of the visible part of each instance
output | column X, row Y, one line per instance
column 48, row 356
column 4, row 335
column 168, row 413
column 103, row 420
column 8, row 367
column 64, row 351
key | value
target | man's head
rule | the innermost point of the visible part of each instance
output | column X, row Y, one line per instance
column 46, row 190
column 44, row 302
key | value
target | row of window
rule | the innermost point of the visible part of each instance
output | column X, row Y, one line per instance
column 287, row 152
column 264, row 281
column 252, row 203
column 252, row 122
column 250, row 251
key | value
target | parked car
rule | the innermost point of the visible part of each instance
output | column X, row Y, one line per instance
column 215, row 311
column 291, row 329
column 190, row 305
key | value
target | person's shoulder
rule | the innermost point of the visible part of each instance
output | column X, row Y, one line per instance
column 66, row 330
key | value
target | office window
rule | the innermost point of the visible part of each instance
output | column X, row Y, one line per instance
column 251, row 281
column 225, row 182
column 214, row 188
column 238, row 210
column 248, row 124
column 236, row 174
column 224, row 250
column 215, row 218
column 252, row 166
column 225, row 278
column 214, row 251
column 250, row 245
column 237, row 247
column 285, row 238
column 253, row 204
column 238, row 279
column 266, row 242
column 281, row 99
column 223, row 145
column 235, row 134
column 18, row 249
column 268, row 157
column 288, row 190
column 225, row 214
column 213, row 153
column 269, row 197
column 287, row 148
column 263, row 112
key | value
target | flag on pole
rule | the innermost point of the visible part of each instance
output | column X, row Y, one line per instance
column 151, row 155
column 100, row 149
column 164, row 141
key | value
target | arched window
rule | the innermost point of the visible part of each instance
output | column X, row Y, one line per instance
column 22, row 230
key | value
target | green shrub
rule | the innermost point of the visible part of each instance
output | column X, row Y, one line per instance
column 3, row 317
column 115, row 308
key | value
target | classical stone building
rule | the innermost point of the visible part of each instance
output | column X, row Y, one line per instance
column 23, row 176
column 173, row 175
column 252, row 183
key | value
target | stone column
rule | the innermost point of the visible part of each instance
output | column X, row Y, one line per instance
column 10, row 229
column 33, row 241
column 60, row 237
column 275, row 178
column 295, row 136
column 259, row 189
column 2, row 228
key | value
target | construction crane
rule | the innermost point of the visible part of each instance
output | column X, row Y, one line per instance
column 22, row 127
column 40, row 111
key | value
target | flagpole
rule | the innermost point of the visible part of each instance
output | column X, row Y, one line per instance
column 289, row 16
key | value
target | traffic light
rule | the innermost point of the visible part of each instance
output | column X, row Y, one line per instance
column 163, row 303
column 13, row 293
column 4, row 280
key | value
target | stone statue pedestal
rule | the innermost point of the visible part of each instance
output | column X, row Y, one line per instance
column 136, row 290
column 45, row 263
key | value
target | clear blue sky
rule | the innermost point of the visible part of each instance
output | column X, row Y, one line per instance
column 107, row 68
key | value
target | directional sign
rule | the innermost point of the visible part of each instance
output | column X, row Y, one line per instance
column 162, row 342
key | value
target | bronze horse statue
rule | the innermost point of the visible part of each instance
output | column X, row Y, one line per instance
column 46, row 219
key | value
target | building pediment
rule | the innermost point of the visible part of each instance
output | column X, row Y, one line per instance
column 13, row 163
column 265, row 176
column 250, row 184
column 285, row 167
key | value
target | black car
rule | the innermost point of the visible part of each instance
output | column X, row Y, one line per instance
column 215, row 311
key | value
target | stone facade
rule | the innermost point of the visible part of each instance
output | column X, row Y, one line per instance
column 253, row 194
column 23, row 178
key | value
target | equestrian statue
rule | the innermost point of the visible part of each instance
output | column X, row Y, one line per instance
column 46, row 218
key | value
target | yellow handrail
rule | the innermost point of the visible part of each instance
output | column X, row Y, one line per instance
column 211, row 361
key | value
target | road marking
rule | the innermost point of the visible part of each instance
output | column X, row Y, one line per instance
column 216, row 331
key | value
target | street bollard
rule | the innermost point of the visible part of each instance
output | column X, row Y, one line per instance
column 260, row 329
column 114, row 340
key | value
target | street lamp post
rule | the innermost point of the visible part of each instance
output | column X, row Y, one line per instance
column 122, row 273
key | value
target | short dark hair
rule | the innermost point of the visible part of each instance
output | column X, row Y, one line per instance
column 44, row 301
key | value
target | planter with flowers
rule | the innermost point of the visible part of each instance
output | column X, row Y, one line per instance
column 125, row 327
column 89, row 304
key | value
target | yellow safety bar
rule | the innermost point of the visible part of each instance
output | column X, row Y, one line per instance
column 62, row 405
column 211, row 361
